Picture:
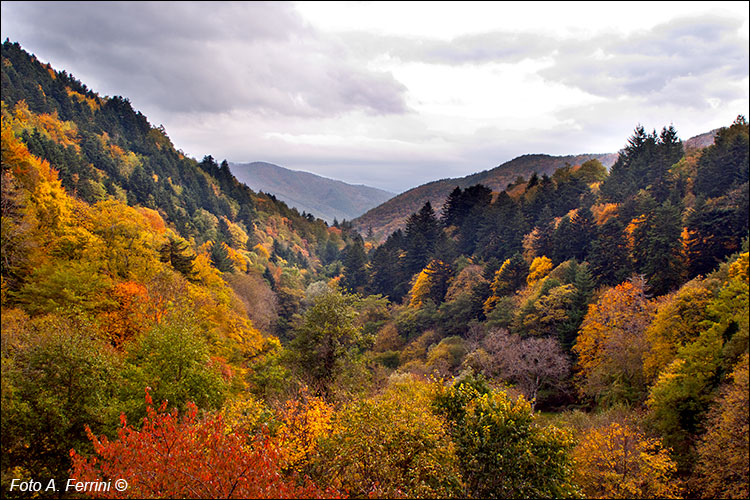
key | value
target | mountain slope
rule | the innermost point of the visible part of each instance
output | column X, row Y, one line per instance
column 392, row 214
column 701, row 141
column 325, row 198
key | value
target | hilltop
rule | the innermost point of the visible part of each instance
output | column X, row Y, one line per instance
column 392, row 214
column 326, row 198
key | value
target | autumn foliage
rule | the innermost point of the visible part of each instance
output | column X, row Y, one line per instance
column 618, row 461
column 188, row 456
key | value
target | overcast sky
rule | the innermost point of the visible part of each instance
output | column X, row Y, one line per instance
column 397, row 94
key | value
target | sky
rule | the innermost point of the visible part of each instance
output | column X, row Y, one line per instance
column 396, row 94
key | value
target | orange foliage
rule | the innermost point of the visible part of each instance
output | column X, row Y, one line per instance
column 154, row 219
column 603, row 212
column 239, row 261
column 50, row 207
column 62, row 132
column 132, row 316
column 188, row 457
column 92, row 103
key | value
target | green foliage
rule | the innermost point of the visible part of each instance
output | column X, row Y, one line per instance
column 680, row 398
column 591, row 171
column 643, row 164
column 57, row 378
column 220, row 257
column 609, row 256
column 175, row 361
column 71, row 286
column 502, row 451
column 327, row 339
column 177, row 252
column 446, row 357
column 354, row 277
column 657, row 248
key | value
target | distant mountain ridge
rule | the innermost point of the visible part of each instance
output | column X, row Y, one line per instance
column 700, row 141
column 326, row 198
column 392, row 215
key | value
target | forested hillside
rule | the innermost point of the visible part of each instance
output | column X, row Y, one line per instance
column 391, row 215
column 577, row 334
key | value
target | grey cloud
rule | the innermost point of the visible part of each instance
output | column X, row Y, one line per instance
column 476, row 48
column 707, row 55
column 194, row 56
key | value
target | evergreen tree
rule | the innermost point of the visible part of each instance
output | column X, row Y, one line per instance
column 724, row 164
column 609, row 256
column 388, row 272
column 500, row 229
column 268, row 276
column 627, row 174
column 422, row 233
column 657, row 248
column 220, row 257
column 177, row 252
column 355, row 266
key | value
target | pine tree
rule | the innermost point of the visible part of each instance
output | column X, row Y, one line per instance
column 355, row 266
column 422, row 232
column 609, row 257
column 220, row 257
column 177, row 252
column 724, row 165
column 657, row 248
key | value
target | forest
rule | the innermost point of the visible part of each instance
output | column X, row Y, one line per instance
column 576, row 335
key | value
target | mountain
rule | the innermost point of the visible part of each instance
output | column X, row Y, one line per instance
column 701, row 141
column 392, row 214
column 104, row 153
column 325, row 198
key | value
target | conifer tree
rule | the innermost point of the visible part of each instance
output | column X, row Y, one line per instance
column 355, row 266
column 657, row 248
column 177, row 252
column 220, row 257
column 422, row 232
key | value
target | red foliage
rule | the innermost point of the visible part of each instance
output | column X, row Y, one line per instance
column 188, row 457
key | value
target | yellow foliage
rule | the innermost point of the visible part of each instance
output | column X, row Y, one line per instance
column 262, row 252
column 243, row 414
column 240, row 262
column 540, row 268
column 421, row 289
column 611, row 343
column 50, row 206
column 618, row 461
column 630, row 230
column 128, row 245
column 721, row 471
column 435, row 274
column 678, row 321
column 739, row 268
column 602, row 212
column 92, row 102
column 62, row 132
column 303, row 424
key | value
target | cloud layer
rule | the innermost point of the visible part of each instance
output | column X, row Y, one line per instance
column 254, row 81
